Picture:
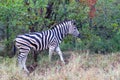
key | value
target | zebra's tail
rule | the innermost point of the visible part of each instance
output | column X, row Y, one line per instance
column 13, row 51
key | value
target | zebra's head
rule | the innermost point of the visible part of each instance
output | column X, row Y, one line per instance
column 73, row 29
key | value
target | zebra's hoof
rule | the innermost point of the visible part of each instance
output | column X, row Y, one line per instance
column 32, row 67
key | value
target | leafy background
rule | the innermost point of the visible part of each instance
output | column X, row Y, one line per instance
column 97, row 20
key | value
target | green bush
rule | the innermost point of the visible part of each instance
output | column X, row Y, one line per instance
column 17, row 16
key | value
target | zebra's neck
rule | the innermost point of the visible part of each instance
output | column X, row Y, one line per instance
column 61, row 30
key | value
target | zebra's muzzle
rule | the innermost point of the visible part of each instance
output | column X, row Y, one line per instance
column 79, row 36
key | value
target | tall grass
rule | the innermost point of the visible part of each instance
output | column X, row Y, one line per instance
column 80, row 66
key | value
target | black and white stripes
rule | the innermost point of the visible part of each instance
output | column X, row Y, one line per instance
column 43, row 40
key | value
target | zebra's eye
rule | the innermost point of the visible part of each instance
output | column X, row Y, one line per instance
column 74, row 23
column 75, row 28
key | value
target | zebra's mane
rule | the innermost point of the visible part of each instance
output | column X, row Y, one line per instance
column 55, row 25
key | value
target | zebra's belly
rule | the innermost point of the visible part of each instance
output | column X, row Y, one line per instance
column 43, row 48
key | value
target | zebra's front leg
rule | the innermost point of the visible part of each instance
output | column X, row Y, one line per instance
column 51, row 50
column 60, row 54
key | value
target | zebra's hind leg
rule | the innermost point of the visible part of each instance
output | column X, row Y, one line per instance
column 22, row 60
column 24, row 64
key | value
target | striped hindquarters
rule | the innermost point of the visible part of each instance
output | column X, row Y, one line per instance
column 36, row 41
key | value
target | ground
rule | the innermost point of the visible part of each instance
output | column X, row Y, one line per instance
column 79, row 66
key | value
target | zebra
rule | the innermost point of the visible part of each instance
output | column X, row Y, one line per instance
column 49, row 39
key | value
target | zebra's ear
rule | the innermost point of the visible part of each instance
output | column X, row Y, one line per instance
column 73, row 22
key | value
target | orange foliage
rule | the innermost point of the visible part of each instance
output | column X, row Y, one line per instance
column 92, row 12
column 91, row 4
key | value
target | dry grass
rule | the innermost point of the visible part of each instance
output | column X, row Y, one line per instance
column 80, row 66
